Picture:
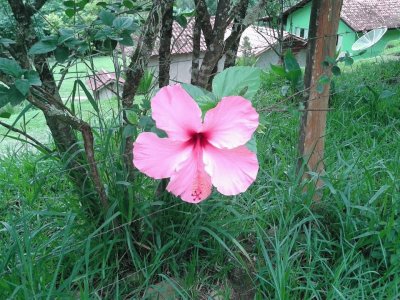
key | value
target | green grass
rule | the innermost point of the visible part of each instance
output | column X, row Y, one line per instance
column 272, row 242
column 392, row 48
column 81, row 70
column 33, row 122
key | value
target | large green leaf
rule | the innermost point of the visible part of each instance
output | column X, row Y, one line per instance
column 10, row 96
column 292, row 67
column 121, row 23
column 126, row 39
column 61, row 54
column 45, row 45
column 10, row 67
column 65, row 35
column 205, row 99
column 278, row 70
column 106, row 17
column 244, row 81
column 22, row 86
column 33, row 77
column 290, row 62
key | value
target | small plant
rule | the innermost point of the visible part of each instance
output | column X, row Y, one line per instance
column 291, row 71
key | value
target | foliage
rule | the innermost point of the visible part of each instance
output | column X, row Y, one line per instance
column 272, row 240
column 346, row 246
column 242, row 81
column 16, row 92
column 392, row 48
column 291, row 71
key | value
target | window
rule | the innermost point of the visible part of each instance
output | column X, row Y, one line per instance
column 305, row 34
column 301, row 32
column 339, row 41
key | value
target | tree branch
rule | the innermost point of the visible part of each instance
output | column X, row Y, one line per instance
column 139, row 61
column 232, row 42
column 164, row 52
column 39, row 4
column 52, row 107
column 196, row 49
column 215, row 49
column 204, row 20
column 36, row 144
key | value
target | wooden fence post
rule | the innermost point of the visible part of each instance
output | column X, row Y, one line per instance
column 324, row 22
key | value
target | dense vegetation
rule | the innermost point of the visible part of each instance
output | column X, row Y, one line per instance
column 273, row 241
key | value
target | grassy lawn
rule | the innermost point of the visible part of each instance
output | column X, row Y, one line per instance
column 271, row 242
column 34, row 123
column 81, row 70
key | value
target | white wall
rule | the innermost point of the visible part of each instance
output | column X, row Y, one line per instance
column 109, row 91
column 181, row 64
column 181, row 67
column 270, row 57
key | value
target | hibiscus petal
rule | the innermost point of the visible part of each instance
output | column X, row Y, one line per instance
column 191, row 182
column 159, row 157
column 232, row 171
column 231, row 123
column 175, row 112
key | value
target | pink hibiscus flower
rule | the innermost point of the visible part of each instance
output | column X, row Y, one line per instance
column 196, row 154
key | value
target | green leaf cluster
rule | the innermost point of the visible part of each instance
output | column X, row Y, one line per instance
column 62, row 44
column 16, row 92
column 115, row 29
column 291, row 71
column 181, row 15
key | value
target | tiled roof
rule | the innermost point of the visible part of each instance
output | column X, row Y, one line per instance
column 363, row 15
column 182, row 39
column 102, row 79
column 260, row 38
column 263, row 38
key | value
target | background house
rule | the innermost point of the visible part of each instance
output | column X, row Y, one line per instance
column 104, row 85
column 357, row 17
column 264, row 44
column 259, row 42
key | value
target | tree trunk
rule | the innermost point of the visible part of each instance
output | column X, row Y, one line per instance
column 62, row 132
column 233, row 42
column 216, row 47
column 215, row 36
column 139, row 61
column 324, row 21
column 196, row 50
column 164, row 62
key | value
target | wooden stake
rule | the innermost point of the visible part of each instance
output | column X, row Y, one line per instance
column 324, row 22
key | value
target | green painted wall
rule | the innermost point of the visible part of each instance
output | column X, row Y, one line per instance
column 347, row 36
column 301, row 18
column 377, row 49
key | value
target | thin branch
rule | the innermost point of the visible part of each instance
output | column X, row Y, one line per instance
column 204, row 19
column 36, row 144
column 39, row 4
column 52, row 107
